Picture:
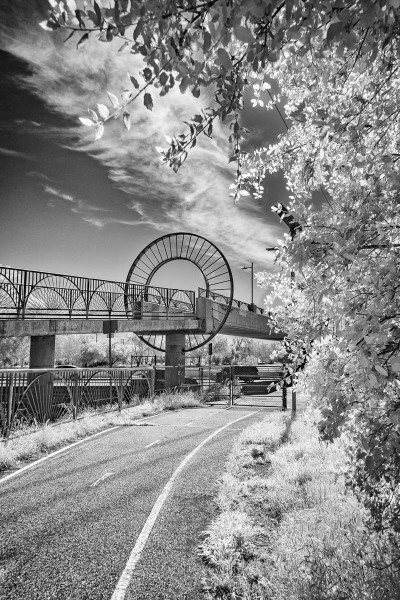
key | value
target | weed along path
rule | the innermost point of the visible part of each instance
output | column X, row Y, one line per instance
column 120, row 515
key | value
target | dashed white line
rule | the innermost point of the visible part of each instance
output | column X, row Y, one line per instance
column 102, row 478
column 153, row 444
column 56, row 452
column 124, row 580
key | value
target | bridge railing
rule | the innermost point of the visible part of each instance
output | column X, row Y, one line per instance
column 37, row 295
column 235, row 303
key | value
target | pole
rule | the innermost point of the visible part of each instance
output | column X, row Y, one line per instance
column 252, row 281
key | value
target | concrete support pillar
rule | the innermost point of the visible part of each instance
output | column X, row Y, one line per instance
column 42, row 351
column 174, row 360
column 41, row 356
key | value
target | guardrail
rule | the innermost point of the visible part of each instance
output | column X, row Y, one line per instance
column 35, row 396
column 37, row 295
column 235, row 303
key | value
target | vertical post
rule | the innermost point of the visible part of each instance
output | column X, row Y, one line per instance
column 10, row 401
column 75, row 396
column 294, row 399
column 252, row 282
column 284, row 397
column 121, row 390
column 174, row 357
column 231, row 387
column 3, row 418
column 153, row 381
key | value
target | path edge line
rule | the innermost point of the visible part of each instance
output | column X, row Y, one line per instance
column 126, row 576
column 60, row 450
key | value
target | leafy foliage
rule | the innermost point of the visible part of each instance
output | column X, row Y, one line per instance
column 337, row 69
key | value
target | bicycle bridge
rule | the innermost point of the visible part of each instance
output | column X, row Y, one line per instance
column 42, row 305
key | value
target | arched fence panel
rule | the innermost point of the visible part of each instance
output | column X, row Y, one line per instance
column 31, row 397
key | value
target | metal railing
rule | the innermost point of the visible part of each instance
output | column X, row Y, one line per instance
column 229, row 384
column 36, row 396
column 235, row 303
column 37, row 295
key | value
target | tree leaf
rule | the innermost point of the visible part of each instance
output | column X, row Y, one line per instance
column 48, row 25
column 333, row 31
column 206, row 41
column 148, row 101
column 133, row 81
column 124, row 45
column 243, row 34
column 93, row 114
column 126, row 96
column 225, row 59
column 103, row 111
column 381, row 370
column 99, row 132
column 127, row 120
column 86, row 121
column 113, row 99
column 82, row 40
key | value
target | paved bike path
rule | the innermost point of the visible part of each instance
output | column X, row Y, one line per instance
column 67, row 526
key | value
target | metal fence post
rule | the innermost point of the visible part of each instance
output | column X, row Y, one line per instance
column 10, row 401
column 294, row 399
column 231, row 386
column 153, row 381
column 75, row 397
column 284, row 396
column 121, row 390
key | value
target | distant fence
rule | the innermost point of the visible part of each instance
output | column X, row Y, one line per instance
column 33, row 396
column 226, row 384
column 36, row 396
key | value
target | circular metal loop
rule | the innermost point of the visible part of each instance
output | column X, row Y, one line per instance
column 207, row 258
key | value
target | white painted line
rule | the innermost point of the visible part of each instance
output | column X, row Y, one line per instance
column 153, row 444
column 102, row 478
column 37, row 462
column 52, row 454
column 188, row 424
column 124, row 580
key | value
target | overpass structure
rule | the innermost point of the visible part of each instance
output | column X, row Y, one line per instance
column 43, row 305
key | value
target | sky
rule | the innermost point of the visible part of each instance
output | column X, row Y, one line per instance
column 71, row 205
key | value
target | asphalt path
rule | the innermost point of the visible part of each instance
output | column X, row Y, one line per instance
column 69, row 524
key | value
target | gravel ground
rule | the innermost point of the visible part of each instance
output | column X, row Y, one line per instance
column 66, row 533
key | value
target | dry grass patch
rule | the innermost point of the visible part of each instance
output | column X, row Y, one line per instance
column 288, row 529
column 40, row 441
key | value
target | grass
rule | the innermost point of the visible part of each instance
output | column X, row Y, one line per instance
column 34, row 442
column 287, row 527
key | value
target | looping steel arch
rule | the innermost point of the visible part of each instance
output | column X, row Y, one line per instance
column 206, row 257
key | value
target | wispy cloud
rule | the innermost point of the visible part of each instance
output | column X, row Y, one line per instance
column 57, row 194
column 15, row 154
column 195, row 199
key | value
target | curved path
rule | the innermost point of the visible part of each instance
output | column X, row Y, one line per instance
column 68, row 525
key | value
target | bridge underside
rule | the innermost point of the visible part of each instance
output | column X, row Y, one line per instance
column 239, row 323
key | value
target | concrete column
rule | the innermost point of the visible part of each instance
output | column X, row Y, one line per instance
column 42, row 351
column 174, row 358
column 41, row 356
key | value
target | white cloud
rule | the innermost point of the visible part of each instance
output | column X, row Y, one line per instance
column 195, row 199
column 15, row 154
column 57, row 194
